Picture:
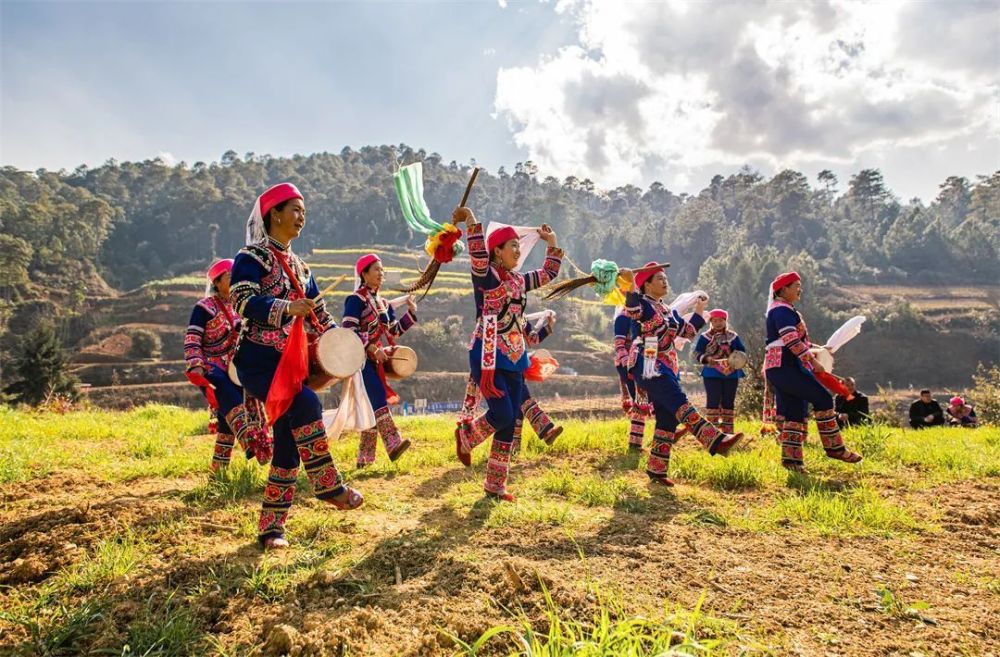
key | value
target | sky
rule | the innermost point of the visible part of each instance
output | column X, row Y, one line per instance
column 621, row 93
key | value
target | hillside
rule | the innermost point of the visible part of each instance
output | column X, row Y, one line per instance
column 952, row 331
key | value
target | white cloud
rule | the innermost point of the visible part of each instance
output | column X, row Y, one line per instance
column 666, row 91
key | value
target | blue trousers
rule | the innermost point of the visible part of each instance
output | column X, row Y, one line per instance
column 503, row 411
column 305, row 409
column 626, row 380
column 373, row 385
column 665, row 393
column 720, row 393
column 795, row 388
column 228, row 394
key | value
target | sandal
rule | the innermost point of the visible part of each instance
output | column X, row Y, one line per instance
column 353, row 501
column 501, row 497
column 794, row 467
column 728, row 441
column 663, row 481
column 275, row 543
column 846, row 455
column 402, row 447
column 551, row 436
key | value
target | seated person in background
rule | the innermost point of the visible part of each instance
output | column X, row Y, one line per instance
column 961, row 414
column 852, row 410
column 926, row 412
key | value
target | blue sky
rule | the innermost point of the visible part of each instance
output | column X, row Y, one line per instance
column 83, row 82
column 620, row 93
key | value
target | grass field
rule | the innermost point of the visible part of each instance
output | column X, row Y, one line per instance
column 115, row 540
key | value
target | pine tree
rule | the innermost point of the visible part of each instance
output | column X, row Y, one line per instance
column 39, row 369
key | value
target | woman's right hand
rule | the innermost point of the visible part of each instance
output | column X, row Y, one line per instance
column 379, row 355
column 818, row 367
column 629, row 276
column 463, row 214
column 300, row 307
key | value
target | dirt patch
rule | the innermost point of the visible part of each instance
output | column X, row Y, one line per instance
column 421, row 570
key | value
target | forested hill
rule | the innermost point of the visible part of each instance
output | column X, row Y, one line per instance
column 131, row 222
column 926, row 274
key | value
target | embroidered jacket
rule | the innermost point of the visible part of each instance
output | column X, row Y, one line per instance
column 654, row 318
column 626, row 330
column 787, row 337
column 717, row 344
column 211, row 334
column 373, row 319
column 501, row 297
column 261, row 292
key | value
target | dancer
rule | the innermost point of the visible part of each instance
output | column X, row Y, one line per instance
column 209, row 344
column 375, row 322
column 789, row 367
column 634, row 402
column 712, row 350
column 543, row 426
column 498, row 354
column 274, row 291
column 658, row 369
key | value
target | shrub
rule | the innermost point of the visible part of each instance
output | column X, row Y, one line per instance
column 985, row 394
column 145, row 344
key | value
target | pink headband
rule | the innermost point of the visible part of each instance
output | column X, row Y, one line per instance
column 718, row 313
column 278, row 194
column 219, row 267
column 364, row 261
column 957, row 401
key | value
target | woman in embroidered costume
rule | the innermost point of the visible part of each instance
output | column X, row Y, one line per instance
column 790, row 367
column 274, row 292
column 712, row 350
column 374, row 320
column 498, row 355
column 209, row 344
column 543, row 426
column 637, row 408
column 656, row 371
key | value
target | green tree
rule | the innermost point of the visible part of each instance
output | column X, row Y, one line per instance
column 39, row 369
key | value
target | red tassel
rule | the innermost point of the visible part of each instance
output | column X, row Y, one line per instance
column 391, row 396
column 293, row 368
column 486, row 385
column 206, row 385
column 540, row 368
column 832, row 383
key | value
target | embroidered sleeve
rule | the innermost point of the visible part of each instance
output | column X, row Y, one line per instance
column 245, row 292
column 688, row 328
column 535, row 337
column 639, row 310
column 322, row 314
column 621, row 343
column 549, row 271
column 398, row 327
column 193, row 354
column 354, row 306
column 477, row 250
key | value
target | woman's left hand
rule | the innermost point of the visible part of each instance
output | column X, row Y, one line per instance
column 548, row 235
column 411, row 303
